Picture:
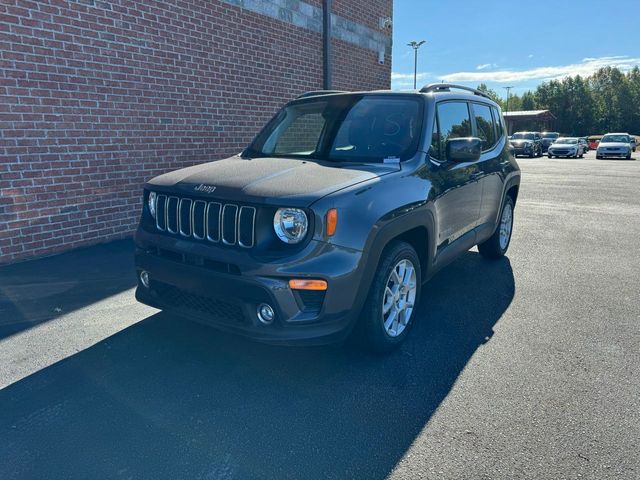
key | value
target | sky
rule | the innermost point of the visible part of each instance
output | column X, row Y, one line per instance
column 512, row 43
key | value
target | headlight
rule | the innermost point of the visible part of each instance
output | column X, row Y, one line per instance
column 290, row 224
column 151, row 203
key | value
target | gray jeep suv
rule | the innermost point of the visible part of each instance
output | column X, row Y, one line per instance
column 333, row 218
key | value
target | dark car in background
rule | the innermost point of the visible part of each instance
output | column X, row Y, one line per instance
column 332, row 218
column 527, row 143
column 548, row 138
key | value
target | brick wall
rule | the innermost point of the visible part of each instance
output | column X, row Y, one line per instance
column 96, row 97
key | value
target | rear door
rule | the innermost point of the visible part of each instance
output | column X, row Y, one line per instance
column 488, row 127
column 458, row 193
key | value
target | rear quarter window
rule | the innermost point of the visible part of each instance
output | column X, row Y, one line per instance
column 485, row 126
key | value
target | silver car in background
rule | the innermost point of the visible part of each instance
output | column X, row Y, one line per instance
column 616, row 145
column 566, row 147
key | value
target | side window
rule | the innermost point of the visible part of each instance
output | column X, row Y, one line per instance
column 498, row 122
column 454, row 121
column 484, row 125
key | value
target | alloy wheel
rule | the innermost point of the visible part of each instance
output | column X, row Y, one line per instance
column 506, row 224
column 399, row 297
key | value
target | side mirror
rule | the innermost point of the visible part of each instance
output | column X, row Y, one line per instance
column 466, row 149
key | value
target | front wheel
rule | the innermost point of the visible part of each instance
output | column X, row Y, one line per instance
column 389, row 311
column 498, row 243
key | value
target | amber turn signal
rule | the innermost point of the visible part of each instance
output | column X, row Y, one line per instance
column 306, row 284
column 332, row 221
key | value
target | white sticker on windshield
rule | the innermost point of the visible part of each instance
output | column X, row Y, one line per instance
column 391, row 160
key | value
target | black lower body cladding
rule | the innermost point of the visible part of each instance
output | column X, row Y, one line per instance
column 225, row 288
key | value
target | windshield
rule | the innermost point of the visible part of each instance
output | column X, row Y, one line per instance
column 522, row 136
column 550, row 135
column 615, row 139
column 349, row 128
column 567, row 141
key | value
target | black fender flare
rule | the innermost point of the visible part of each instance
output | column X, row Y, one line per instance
column 385, row 231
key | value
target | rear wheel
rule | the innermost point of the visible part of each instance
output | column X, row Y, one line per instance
column 629, row 156
column 390, row 308
column 498, row 243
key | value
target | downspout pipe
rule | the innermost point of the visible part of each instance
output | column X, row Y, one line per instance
column 327, row 65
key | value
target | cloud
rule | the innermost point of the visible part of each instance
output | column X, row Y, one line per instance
column 484, row 66
column 530, row 55
column 405, row 80
column 586, row 67
column 408, row 76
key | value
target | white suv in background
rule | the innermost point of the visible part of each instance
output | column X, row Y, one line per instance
column 614, row 145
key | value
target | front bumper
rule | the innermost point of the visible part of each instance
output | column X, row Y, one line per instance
column 613, row 153
column 522, row 150
column 563, row 152
column 223, row 287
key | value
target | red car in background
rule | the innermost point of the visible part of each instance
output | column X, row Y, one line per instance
column 593, row 141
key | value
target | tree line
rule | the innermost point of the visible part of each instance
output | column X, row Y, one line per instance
column 607, row 101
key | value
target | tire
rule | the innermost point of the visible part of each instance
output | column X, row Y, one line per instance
column 549, row 155
column 532, row 154
column 628, row 157
column 371, row 329
column 598, row 157
column 493, row 247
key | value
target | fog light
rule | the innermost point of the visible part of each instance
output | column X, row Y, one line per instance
column 265, row 314
column 144, row 278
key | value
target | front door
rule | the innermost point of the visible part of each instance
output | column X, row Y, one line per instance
column 457, row 187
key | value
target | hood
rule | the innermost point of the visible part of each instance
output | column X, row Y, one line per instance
column 268, row 180
column 520, row 141
column 564, row 145
column 613, row 145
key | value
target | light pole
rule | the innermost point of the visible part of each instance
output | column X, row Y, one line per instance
column 415, row 45
column 508, row 89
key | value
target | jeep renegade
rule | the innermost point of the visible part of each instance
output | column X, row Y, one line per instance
column 333, row 218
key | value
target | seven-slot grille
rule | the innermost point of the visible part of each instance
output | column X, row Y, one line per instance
column 212, row 221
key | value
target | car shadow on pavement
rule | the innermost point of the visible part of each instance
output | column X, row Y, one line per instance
column 37, row 291
column 168, row 398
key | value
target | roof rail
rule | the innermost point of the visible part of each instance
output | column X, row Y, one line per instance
column 446, row 87
column 315, row 93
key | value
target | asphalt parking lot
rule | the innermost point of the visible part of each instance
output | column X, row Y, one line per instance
column 528, row 367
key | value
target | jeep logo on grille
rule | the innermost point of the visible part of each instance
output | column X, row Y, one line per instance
column 205, row 188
